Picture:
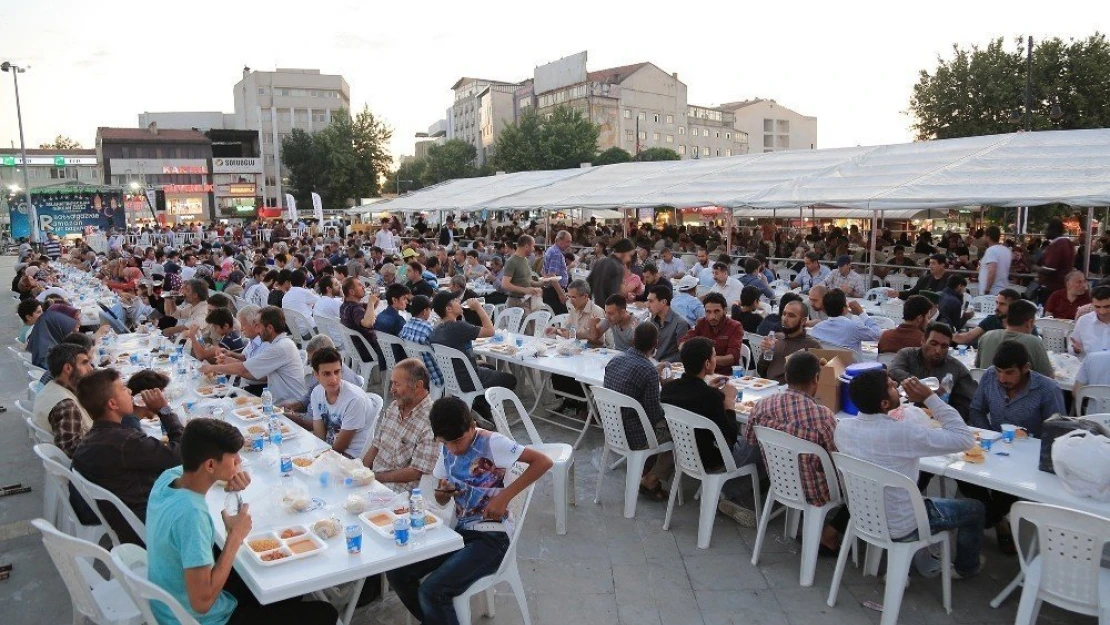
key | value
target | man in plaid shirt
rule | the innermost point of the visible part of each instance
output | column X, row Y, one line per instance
column 633, row 374
column 555, row 264
column 795, row 412
column 403, row 449
column 417, row 329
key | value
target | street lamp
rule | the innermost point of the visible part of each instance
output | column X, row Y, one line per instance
column 1024, row 116
column 15, row 70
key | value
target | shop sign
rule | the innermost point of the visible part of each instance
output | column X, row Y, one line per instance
column 646, row 214
column 237, row 165
column 70, row 212
column 184, row 169
column 238, row 189
column 54, row 161
column 187, row 188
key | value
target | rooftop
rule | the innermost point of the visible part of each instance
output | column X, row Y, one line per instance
column 150, row 135
column 51, row 152
column 614, row 74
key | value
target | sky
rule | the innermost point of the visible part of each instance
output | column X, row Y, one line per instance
column 852, row 64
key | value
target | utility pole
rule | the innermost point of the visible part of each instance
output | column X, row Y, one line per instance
column 32, row 215
column 1028, row 121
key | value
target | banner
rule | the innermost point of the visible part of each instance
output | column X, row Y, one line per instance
column 317, row 207
column 290, row 207
column 69, row 211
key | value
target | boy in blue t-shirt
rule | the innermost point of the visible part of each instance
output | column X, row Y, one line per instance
column 471, row 469
column 180, row 532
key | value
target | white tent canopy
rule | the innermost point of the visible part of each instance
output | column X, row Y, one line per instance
column 1020, row 169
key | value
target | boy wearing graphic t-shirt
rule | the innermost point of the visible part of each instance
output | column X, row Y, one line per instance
column 471, row 469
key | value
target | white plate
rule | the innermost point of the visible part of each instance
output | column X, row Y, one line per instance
column 287, row 431
column 386, row 531
column 284, row 545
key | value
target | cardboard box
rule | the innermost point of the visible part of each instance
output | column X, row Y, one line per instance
column 828, row 385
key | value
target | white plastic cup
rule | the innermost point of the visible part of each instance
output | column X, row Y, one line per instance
column 1009, row 432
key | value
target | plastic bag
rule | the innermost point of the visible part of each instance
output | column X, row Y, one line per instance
column 1082, row 462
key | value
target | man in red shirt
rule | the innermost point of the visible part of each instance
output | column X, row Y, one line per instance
column 1058, row 260
column 725, row 333
column 1064, row 303
column 916, row 314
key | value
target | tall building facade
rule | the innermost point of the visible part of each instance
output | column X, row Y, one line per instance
column 637, row 107
column 270, row 104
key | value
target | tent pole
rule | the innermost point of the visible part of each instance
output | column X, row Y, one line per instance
column 874, row 244
column 728, row 234
column 1089, row 241
column 547, row 237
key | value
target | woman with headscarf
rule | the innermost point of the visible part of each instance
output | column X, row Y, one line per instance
column 53, row 326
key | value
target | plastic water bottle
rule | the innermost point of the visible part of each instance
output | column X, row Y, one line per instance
column 1040, row 311
column 275, row 431
column 946, row 384
column 267, row 401
column 416, row 516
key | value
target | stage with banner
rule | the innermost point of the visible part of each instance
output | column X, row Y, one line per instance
column 71, row 210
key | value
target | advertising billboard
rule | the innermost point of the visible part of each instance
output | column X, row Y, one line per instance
column 570, row 70
column 68, row 210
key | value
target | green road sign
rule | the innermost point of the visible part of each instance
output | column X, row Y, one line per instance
column 59, row 161
column 9, row 161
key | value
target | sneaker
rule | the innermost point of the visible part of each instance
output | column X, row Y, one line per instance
column 958, row 575
column 743, row 516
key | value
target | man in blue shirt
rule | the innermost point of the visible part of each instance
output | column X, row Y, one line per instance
column 813, row 274
column 685, row 303
column 390, row 320
column 950, row 306
column 180, row 537
column 842, row 330
column 752, row 277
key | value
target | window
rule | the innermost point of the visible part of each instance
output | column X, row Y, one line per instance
column 728, row 135
column 655, row 118
column 262, row 91
column 717, row 135
column 768, row 141
column 682, row 149
column 628, row 113
column 728, row 151
column 718, row 152
column 319, row 117
column 642, row 116
column 670, row 138
column 670, row 119
column 705, row 132
column 655, row 137
column 768, row 125
column 643, row 136
column 682, row 130
column 782, row 126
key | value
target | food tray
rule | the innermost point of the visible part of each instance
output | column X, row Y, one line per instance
column 248, row 413
column 213, row 390
column 386, row 531
column 287, row 431
column 243, row 401
column 758, row 384
column 291, row 547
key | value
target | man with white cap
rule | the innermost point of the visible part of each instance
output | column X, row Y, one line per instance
column 685, row 303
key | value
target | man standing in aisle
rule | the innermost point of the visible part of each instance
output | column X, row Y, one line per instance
column 994, row 266
column 517, row 279
column 1058, row 260
column 555, row 265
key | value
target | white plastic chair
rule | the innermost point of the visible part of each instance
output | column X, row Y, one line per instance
column 426, row 355
column 389, row 344
column 1099, row 396
column 300, row 328
column 884, row 323
column 538, row 321
column 893, row 308
column 897, row 281
column 782, row 454
column 36, row 433
column 102, row 601
column 864, row 485
column 509, row 319
column 331, row 327
column 508, row 572
column 363, row 365
column 755, row 342
column 561, row 454
column 131, row 562
column 1102, row 417
column 33, row 389
column 55, row 494
column 94, row 494
column 445, row 358
column 977, row 374
column 1054, row 333
column 886, row 358
column 490, row 309
column 683, row 425
column 1067, row 568
column 21, row 354
column 609, row 404
column 877, row 295
column 985, row 304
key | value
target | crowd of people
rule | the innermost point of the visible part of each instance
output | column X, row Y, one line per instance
column 230, row 299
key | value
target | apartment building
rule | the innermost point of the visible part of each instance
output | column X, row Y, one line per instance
column 436, row 135
column 47, row 167
column 482, row 108
column 271, row 104
column 772, row 127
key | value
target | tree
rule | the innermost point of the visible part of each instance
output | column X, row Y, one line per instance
column 976, row 91
column 612, row 156
column 409, row 173
column 453, row 159
column 61, row 142
column 342, row 162
column 657, row 154
column 564, row 140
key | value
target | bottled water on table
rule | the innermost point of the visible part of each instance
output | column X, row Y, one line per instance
column 267, row 401
column 416, row 516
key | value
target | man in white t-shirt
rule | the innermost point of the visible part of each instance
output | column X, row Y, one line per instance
column 994, row 266
column 298, row 298
column 343, row 415
column 331, row 298
column 278, row 361
column 725, row 284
